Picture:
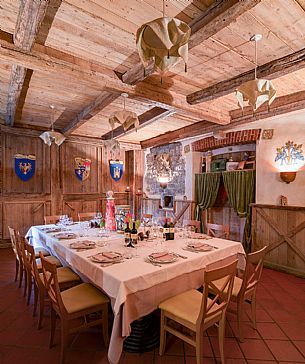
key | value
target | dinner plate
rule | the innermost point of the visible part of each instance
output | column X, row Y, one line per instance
column 85, row 244
column 163, row 257
column 201, row 236
column 107, row 257
column 65, row 235
column 199, row 247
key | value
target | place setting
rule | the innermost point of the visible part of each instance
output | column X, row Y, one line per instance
column 163, row 257
column 65, row 235
column 198, row 247
column 107, row 258
column 82, row 245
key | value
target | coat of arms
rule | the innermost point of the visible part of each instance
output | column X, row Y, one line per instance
column 289, row 154
column 116, row 169
column 25, row 166
column 82, row 168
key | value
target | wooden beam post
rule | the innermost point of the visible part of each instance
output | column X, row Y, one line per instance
column 30, row 17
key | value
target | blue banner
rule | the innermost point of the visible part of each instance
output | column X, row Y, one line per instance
column 116, row 169
column 25, row 166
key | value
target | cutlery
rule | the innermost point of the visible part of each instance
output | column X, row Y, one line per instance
column 181, row 256
column 192, row 251
column 156, row 264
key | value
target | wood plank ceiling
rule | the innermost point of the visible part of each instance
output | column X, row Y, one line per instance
column 74, row 53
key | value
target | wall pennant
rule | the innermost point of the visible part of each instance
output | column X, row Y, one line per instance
column 82, row 168
column 116, row 169
column 25, row 166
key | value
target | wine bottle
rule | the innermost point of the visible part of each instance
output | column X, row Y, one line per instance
column 134, row 234
column 166, row 230
column 127, row 234
column 171, row 235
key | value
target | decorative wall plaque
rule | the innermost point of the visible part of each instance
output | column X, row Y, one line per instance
column 82, row 168
column 267, row 134
column 25, row 166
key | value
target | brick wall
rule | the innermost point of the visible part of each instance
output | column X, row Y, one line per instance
column 231, row 138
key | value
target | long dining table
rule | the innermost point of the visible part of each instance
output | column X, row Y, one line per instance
column 135, row 286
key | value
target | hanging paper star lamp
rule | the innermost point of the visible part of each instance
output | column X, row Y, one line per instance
column 124, row 117
column 165, row 40
column 256, row 91
column 52, row 136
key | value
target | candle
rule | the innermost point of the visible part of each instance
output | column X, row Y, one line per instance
column 127, row 189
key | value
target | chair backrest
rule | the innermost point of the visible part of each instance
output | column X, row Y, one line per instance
column 29, row 253
column 253, row 271
column 51, row 219
column 15, row 239
column 218, row 231
column 49, row 272
column 194, row 223
column 85, row 216
column 211, row 307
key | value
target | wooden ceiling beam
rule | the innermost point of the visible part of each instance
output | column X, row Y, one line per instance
column 215, row 18
column 145, row 119
column 30, row 16
column 277, row 68
column 71, row 68
column 104, row 99
column 280, row 106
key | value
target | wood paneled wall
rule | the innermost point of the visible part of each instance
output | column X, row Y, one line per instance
column 282, row 229
column 54, row 189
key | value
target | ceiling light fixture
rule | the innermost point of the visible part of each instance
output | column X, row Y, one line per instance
column 164, row 40
column 256, row 91
column 124, row 117
column 52, row 136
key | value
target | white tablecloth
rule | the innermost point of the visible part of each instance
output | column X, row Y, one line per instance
column 134, row 286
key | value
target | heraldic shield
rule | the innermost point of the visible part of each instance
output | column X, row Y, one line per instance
column 116, row 169
column 25, row 166
column 82, row 168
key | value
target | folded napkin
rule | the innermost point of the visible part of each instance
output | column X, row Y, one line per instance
column 85, row 244
column 111, row 255
column 64, row 235
column 164, row 256
column 197, row 245
column 105, row 257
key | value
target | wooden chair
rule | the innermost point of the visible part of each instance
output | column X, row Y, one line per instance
column 27, row 261
column 85, row 216
column 74, row 303
column 194, row 223
column 195, row 312
column 244, row 289
column 51, row 219
column 218, row 231
column 66, row 279
column 18, row 255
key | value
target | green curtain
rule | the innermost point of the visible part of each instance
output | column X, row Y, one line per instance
column 206, row 189
column 240, row 187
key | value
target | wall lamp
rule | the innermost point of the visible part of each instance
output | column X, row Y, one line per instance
column 288, row 177
column 163, row 180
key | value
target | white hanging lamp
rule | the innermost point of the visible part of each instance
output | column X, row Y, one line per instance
column 164, row 40
column 124, row 117
column 256, row 91
column 52, row 136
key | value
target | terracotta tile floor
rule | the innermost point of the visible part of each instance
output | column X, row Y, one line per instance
column 280, row 335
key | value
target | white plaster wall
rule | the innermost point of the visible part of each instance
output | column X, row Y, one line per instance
column 269, row 186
